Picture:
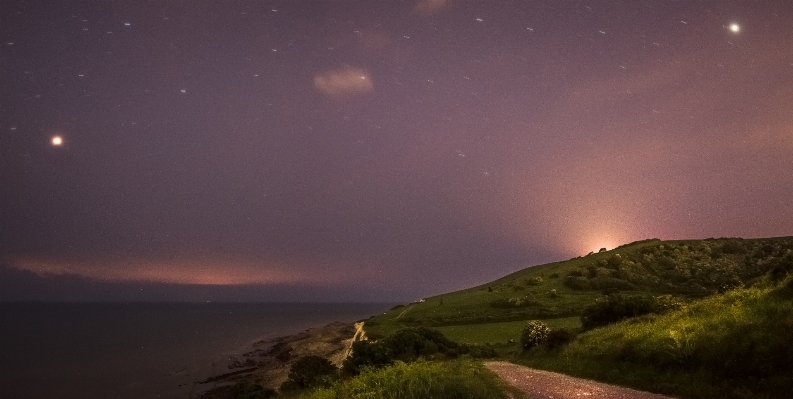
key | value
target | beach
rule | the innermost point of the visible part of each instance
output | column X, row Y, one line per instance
column 267, row 361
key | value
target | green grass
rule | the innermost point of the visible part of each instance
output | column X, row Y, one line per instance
column 689, row 270
column 499, row 333
column 734, row 345
column 720, row 346
column 459, row 379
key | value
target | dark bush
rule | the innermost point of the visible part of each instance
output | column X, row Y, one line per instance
column 249, row 390
column 576, row 273
column 534, row 281
column 312, row 371
column 733, row 247
column 559, row 337
column 577, row 283
column 781, row 267
column 614, row 262
column 367, row 353
column 407, row 345
column 618, row 307
column 666, row 262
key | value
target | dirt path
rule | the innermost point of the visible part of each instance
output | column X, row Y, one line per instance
column 539, row 384
column 360, row 335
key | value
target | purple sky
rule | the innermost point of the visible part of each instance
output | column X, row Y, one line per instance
column 384, row 149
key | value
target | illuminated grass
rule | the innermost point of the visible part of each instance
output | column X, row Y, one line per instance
column 729, row 346
column 461, row 379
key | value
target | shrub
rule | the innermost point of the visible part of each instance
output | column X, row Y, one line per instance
column 781, row 267
column 407, row 344
column 312, row 371
column 534, row 281
column 614, row 262
column 533, row 334
column 249, row 390
column 577, row 283
column 367, row 354
column 559, row 337
column 576, row 273
column 618, row 307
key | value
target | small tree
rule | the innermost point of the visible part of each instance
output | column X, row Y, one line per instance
column 367, row 353
column 534, row 334
column 311, row 371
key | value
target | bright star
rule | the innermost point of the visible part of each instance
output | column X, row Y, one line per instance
column 735, row 28
column 57, row 141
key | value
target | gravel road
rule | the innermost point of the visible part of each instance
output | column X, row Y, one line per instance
column 539, row 384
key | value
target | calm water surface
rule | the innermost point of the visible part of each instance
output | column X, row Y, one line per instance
column 139, row 350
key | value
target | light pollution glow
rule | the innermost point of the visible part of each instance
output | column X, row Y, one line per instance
column 198, row 272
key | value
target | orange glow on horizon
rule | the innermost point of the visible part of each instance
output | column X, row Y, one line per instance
column 202, row 272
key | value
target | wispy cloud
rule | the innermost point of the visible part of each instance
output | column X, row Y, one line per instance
column 344, row 82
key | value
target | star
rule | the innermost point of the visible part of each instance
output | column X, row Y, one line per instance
column 57, row 141
column 735, row 28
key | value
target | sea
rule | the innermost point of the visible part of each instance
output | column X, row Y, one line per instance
column 141, row 350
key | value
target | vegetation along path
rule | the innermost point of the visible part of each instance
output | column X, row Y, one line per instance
column 539, row 384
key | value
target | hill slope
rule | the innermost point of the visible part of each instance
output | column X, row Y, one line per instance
column 734, row 345
column 558, row 292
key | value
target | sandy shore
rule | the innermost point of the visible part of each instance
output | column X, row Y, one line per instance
column 268, row 361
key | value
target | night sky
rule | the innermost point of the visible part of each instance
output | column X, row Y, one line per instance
column 381, row 150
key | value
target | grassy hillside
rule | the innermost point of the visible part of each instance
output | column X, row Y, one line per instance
column 734, row 345
column 558, row 292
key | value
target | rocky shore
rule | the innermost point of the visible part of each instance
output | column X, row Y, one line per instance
column 268, row 361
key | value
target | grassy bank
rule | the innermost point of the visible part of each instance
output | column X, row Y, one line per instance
column 463, row 379
column 734, row 345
